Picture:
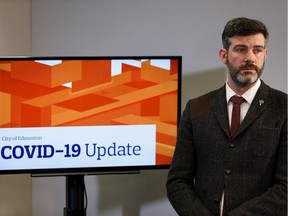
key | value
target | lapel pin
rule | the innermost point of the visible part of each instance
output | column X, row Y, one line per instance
column 261, row 102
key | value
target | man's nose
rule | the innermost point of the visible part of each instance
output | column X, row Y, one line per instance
column 250, row 57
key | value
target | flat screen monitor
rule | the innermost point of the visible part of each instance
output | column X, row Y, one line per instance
column 65, row 115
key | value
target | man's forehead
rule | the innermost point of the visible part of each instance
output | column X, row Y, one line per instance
column 251, row 40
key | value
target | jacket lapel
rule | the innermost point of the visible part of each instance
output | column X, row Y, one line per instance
column 220, row 109
column 259, row 104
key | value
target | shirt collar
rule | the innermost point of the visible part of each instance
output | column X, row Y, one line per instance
column 248, row 95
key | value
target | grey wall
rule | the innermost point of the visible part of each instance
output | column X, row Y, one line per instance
column 15, row 34
column 151, row 27
column 16, row 190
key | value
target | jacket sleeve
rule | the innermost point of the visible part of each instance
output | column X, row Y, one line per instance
column 180, row 182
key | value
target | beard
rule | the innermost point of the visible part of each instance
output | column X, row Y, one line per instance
column 247, row 78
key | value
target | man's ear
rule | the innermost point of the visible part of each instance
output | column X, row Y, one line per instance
column 266, row 53
column 223, row 55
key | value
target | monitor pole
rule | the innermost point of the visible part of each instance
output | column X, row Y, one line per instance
column 75, row 188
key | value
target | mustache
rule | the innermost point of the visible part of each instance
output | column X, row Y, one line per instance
column 249, row 66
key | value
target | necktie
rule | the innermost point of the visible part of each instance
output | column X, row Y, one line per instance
column 235, row 121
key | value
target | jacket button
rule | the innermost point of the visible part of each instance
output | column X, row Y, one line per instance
column 228, row 171
column 216, row 200
column 231, row 145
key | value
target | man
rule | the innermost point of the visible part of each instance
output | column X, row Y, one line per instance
column 215, row 172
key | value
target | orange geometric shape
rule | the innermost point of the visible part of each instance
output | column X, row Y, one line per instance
column 46, row 75
column 16, row 113
column 164, row 149
column 174, row 66
column 86, row 102
column 127, row 67
column 162, row 127
column 102, row 118
column 94, row 72
column 168, row 139
column 6, row 66
column 67, row 71
column 168, row 114
column 5, row 112
column 140, row 84
column 163, row 160
column 150, row 107
column 32, row 116
column 116, row 90
column 154, row 74
column 122, row 78
column 22, row 88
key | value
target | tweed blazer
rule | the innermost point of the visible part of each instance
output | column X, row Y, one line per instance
column 252, row 166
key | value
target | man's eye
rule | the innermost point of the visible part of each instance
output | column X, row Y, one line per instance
column 241, row 50
column 258, row 50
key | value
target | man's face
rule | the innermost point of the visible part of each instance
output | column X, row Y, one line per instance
column 245, row 59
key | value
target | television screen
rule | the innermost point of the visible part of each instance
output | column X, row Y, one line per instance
column 88, row 114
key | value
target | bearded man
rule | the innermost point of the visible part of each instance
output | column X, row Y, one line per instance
column 231, row 151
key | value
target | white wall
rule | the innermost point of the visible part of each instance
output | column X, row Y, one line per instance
column 151, row 27
column 16, row 190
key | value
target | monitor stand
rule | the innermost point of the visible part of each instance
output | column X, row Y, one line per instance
column 75, row 189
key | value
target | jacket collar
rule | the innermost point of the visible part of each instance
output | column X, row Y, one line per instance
column 259, row 104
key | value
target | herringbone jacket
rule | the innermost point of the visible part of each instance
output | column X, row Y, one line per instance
column 252, row 166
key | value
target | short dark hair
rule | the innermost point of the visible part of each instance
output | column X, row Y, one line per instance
column 243, row 26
